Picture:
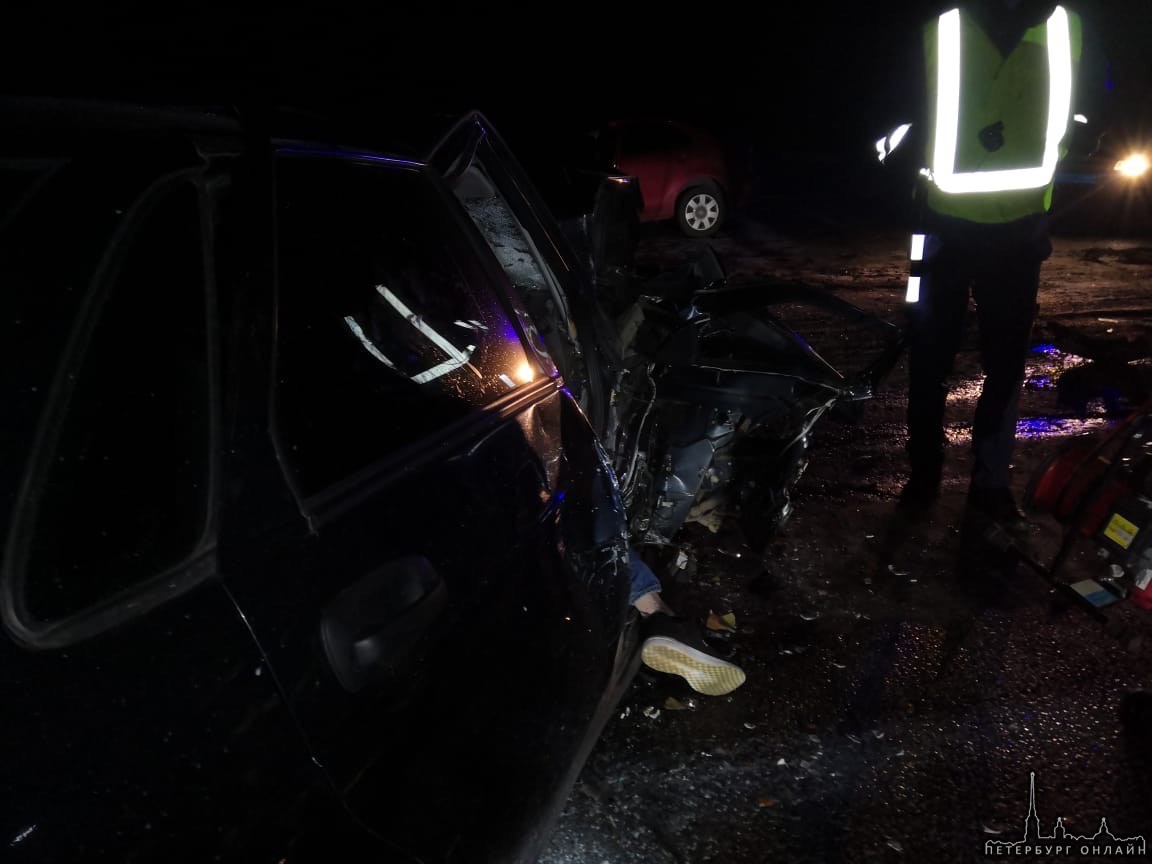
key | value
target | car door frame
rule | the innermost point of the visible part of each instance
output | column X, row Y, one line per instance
column 254, row 431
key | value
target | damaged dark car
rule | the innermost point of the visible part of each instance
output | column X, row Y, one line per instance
column 716, row 384
column 307, row 546
column 316, row 511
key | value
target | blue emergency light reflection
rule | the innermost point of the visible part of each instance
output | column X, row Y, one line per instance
column 346, row 154
column 1036, row 427
column 1058, row 427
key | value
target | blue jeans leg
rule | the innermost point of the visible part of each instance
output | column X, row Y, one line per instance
column 644, row 581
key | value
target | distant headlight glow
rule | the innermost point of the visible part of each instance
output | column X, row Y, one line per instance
column 1134, row 166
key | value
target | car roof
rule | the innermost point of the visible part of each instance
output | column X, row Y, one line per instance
column 404, row 134
column 83, row 115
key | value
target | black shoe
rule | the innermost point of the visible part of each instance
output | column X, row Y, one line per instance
column 671, row 646
column 923, row 486
column 920, row 492
column 997, row 504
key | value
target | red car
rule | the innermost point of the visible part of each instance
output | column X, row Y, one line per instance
column 682, row 172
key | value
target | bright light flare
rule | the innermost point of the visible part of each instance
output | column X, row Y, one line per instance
column 525, row 374
column 1134, row 166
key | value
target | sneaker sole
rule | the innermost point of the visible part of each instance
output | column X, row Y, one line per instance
column 704, row 674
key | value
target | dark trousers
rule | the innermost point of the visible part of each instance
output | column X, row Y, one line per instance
column 1000, row 266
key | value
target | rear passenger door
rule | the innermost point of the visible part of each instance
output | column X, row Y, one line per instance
column 139, row 723
column 443, row 607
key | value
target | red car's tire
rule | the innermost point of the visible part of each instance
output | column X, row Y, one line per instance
column 701, row 210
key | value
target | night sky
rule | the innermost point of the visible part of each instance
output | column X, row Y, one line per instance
column 810, row 77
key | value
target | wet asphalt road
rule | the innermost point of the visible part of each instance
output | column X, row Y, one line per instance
column 889, row 714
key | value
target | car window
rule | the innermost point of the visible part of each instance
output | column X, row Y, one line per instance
column 502, row 231
column 512, row 245
column 388, row 329
column 549, row 283
column 121, row 494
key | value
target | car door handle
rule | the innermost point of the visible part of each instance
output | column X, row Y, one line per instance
column 375, row 626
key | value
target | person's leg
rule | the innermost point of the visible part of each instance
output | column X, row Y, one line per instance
column 1006, row 307
column 936, row 325
column 645, row 595
column 670, row 645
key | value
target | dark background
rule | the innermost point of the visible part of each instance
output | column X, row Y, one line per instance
column 806, row 87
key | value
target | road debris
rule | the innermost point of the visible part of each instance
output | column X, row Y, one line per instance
column 725, row 623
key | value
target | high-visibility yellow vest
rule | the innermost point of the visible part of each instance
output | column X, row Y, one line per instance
column 997, row 123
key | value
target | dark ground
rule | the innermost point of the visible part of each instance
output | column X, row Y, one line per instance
column 897, row 720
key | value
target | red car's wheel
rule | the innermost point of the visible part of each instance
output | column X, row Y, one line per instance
column 700, row 210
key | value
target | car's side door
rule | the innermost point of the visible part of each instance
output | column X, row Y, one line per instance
column 429, row 573
column 139, row 719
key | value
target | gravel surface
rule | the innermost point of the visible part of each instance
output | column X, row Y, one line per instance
column 891, row 713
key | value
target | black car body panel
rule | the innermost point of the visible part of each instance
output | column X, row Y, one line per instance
column 124, row 706
column 291, row 562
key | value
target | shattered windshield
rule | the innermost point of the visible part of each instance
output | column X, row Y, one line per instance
column 507, row 240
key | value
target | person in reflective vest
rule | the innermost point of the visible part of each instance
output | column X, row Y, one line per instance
column 1000, row 81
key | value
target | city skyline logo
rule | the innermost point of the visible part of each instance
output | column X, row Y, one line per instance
column 1060, row 842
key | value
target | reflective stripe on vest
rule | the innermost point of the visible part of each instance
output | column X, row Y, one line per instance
column 1060, row 61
